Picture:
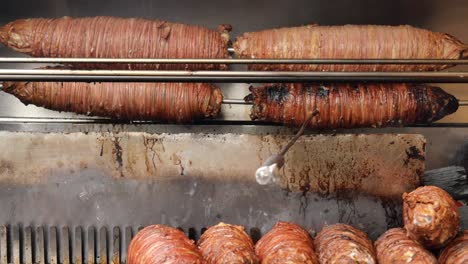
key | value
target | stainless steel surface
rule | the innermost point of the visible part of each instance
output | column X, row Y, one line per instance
column 329, row 158
column 229, row 61
column 127, row 179
column 60, row 201
column 227, row 76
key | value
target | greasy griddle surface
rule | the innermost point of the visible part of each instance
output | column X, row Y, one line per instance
column 324, row 164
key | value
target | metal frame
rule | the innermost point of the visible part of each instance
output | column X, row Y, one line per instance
column 12, row 74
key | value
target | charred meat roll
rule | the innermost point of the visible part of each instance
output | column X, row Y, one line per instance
column 350, row 105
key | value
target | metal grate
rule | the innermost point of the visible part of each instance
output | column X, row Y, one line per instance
column 79, row 245
column 54, row 245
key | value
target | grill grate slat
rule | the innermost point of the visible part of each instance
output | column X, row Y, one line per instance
column 78, row 252
column 91, row 246
column 53, row 245
column 65, row 246
column 102, row 241
column 27, row 248
column 115, row 258
column 39, row 247
column 16, row 246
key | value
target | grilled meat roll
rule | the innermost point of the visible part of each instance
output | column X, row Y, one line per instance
column 456, row 251
column 166, row 102
column 227, row 244
column 113, row 37
column 159, row 244
column 350, row 105
column 340, row 244
column 349, row 42
column 431, row 216
column 395, row 247
column 286, row 243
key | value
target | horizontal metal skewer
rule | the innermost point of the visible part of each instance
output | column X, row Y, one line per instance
column 229, row 61
column 103, row 120
column 236, row 101
column 226, row 76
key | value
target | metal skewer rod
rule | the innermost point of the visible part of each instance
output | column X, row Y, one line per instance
column 236, row 101
column 229, row 61
column 226, row 76
column 103, row 120
column 267, row 173
column 299, row 133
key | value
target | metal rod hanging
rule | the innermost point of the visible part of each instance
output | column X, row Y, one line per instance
column 104, row 120
column 229, row 61
column 226, row 76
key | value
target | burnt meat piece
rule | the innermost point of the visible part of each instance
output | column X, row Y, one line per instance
column 350, row 105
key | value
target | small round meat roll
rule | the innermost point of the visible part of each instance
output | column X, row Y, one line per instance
column 395, row 247
column 456, row 251
column 224, row 243
column 340, row 244
column 286, row 243
column 158, row 244
column 431, row 216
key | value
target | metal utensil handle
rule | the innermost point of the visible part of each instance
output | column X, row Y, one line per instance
column 299, row 133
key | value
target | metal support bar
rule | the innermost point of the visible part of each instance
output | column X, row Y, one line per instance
column 227, row 76
column 229, row 61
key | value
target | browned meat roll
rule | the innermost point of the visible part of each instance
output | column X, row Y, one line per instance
column 395, row 247
column 113, row 37
column 166, row 102
column 350, row 105
column 430, row 216
column 456, row 251
column 349, row 42
column 286, row 243
column 159, row 244
column 342, row 244
column 227, row 244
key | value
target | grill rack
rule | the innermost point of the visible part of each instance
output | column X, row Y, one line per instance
column 78, row 245
column 68, row 75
